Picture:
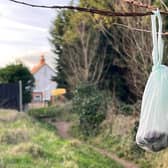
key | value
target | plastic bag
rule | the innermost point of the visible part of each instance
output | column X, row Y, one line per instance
column 152, row 133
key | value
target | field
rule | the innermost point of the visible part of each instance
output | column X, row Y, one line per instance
column 28, row 143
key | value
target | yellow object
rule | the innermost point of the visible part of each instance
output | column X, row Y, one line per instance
column 57, row 92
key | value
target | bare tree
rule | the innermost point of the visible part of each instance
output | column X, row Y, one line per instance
column 83, row 61
column 134, row 47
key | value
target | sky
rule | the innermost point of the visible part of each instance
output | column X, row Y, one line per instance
column 24, row 32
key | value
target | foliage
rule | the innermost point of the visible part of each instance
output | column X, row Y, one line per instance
column 14, row 73
column 80, row 53
column 127, row 61
column 109, row 65
column 126, row 109
column 44, row 148
column 57, row 32
column 59, row 112
column 91, row 105
column 44, row 112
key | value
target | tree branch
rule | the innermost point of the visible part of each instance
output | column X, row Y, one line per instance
column 137, row 29
column 90, row 10
column 140, row 4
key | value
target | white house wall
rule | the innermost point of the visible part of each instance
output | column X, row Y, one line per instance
column 43, row 82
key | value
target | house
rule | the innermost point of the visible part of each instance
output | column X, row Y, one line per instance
column 43, row 74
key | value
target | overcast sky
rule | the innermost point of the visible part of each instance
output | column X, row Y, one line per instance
column 24, row 31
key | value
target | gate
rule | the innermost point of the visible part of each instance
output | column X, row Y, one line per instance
column 10, row 96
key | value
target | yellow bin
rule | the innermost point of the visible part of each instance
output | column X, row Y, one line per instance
column 59, row 91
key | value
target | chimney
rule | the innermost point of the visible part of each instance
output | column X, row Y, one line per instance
column 42, row 59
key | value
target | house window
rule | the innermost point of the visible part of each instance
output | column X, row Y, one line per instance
column 37, row 98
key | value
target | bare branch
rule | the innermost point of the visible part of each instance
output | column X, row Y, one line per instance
column 90, row 10
column 163, row 3
column 137, row 29
column 140, row 4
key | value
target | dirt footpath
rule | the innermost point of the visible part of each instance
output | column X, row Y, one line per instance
column 63, row 131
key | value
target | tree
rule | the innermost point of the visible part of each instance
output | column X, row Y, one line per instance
column 58, row 30
column 76, row 44
column 132, row 61
column 127, row 58
column 14, row 73
column 134, row 47
column 85, row 53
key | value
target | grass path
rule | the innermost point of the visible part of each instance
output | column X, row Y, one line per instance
column 63, row 131
column 29, row 143
column 123, row 162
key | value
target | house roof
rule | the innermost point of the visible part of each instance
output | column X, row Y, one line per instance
column 39, row 65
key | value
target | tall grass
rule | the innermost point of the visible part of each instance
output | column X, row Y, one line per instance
column 28, row 143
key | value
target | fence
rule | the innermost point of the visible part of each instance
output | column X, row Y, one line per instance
column 11, row 96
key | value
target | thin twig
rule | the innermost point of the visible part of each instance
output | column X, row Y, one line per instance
column 136, row 29
column 140, row 4
column 165, row 6
column 90, row 10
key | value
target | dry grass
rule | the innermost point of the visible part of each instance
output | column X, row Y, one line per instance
column 14, row 136
column 33, row 149
column 26, row 142
column 10, row 115
column 75, row 143
column 122, row 124
column 119, row 125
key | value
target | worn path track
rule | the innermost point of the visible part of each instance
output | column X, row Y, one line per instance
column 63, row 128
column 63, row 131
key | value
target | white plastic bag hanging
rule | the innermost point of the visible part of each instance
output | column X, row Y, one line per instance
column 152, row 133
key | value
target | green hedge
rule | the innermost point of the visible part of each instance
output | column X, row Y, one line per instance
column 90, row 103
column 62, row 112
column 44, row 112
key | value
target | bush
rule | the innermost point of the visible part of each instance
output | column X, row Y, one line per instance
column 43, row 112
column 59, row 112
column 91, row 105
column 126, row 109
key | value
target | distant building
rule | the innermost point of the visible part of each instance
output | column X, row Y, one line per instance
column 43, row 74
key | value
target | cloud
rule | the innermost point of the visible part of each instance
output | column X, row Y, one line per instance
column 7, row 23
column 12, row 31
column 24, row 31
column 4, row 11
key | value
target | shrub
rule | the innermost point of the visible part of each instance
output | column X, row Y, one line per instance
column 126, row 109
column 91, row 105
column 63, row 112
column 43, row 112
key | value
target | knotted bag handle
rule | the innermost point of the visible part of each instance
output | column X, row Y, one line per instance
column 157, row 53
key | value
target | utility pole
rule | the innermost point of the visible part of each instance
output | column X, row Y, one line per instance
column 20, row 97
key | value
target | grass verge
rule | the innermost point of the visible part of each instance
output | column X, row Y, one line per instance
column 27, row 143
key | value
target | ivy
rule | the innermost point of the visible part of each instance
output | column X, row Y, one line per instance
column 91, row 105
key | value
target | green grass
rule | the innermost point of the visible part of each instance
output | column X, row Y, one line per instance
column 27, row 143
column 59, row 112
column 117, row 138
